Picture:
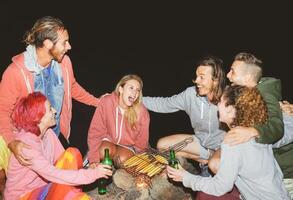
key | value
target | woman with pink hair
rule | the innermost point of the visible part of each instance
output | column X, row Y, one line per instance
column 53, row 172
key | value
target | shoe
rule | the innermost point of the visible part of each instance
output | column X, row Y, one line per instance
column 204, row 170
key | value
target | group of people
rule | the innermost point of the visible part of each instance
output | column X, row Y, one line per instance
column 36, row 92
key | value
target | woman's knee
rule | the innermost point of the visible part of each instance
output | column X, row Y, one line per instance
column 161, row 144
column 70, row 159
column 73, row 150
column 123, row 154
column 107, row 145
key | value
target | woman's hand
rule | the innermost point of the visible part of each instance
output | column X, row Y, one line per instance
column 175, row 174
column 94, row 165
column 103, row 170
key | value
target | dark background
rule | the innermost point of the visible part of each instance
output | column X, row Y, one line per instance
column 161, row 42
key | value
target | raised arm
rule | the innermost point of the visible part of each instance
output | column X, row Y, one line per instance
column 166, row 104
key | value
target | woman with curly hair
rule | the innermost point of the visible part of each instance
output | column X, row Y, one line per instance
column 251, row 166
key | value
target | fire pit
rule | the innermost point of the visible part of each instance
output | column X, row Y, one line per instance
column 144, row 166
column 142, row 177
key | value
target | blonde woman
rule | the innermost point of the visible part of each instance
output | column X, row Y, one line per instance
column 120, row 123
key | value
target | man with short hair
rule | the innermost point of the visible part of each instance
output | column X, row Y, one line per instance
column 246, row 70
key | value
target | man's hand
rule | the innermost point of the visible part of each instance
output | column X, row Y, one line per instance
column 16, row 148
column 286, row 107
column 239, row 135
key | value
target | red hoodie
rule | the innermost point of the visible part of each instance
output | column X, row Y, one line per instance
column 17, row 82
column 109, row 123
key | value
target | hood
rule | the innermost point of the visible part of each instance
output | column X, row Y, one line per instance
column 30, row 60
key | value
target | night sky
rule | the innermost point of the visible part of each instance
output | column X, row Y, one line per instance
column 160, row 42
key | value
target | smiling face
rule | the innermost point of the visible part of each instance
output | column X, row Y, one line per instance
column 236, row 74
column 49, row 118
column 60, row 48
column 204, row 81
column 129, row 93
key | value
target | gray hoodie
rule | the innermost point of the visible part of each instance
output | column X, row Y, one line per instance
column 250, row 166
column 203, row 115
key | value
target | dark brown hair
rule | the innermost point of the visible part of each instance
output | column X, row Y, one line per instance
column 218, row 74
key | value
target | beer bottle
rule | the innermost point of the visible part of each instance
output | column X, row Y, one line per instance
column 173, row 162
column 103, row 182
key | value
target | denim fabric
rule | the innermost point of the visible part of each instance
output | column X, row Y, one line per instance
column 50, row 82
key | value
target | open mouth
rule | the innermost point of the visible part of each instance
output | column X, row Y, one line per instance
column 199, row 87
column 131, row 99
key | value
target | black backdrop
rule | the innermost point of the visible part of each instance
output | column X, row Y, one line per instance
column 159, row 41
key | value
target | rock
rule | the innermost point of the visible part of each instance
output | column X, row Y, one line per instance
column 189, row 165
column 123, row 187
column 137, row 194
column 163, row 189
column 123, row 179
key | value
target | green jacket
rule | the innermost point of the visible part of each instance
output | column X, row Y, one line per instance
column 273, row 129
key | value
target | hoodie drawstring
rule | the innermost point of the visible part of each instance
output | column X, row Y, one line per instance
column 28, row 86
column 118, row 133
column 201, row 111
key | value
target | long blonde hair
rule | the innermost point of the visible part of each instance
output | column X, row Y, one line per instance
column 131, row 114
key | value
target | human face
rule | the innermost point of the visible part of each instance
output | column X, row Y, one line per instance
column 236, row 74
column 49, row 118
column 129, row 93
column 226, row 113
column 62, row 45
column 204, row 81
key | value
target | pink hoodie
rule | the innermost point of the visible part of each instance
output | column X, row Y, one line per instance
column 43, row 154
column 108, row 123
column 17, row 82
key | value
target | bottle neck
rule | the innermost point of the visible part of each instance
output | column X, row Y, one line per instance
column 107, row 160
column 106, row 152
column 172, row 154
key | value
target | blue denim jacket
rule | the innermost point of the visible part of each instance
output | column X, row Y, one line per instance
column 48, row 81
